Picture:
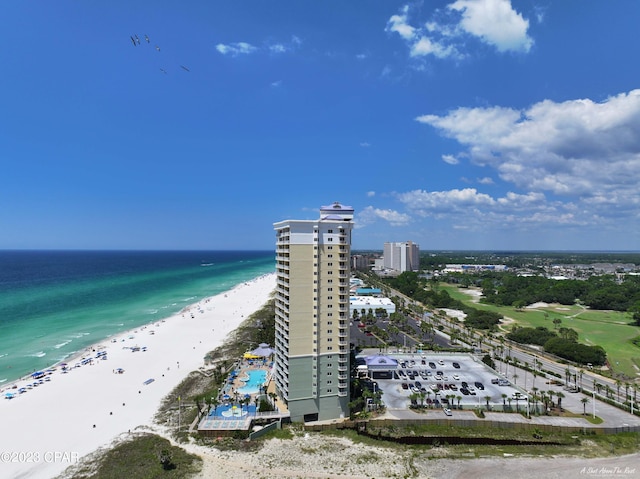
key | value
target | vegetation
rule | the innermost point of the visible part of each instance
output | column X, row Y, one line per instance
column 571, row 443
column 145, row 456
column 539, row 335
column 597, row 292
column 573, row 351
column 609, row 329
column 412, row 285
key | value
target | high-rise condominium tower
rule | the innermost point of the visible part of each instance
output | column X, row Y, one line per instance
column 402, row 256
column 312, row 314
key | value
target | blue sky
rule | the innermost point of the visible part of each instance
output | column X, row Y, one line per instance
column 466, row 124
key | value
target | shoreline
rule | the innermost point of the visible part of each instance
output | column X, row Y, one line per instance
column 90, row 406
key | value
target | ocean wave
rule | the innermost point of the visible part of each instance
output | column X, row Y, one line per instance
column 151, row 311
column 62, row 344
column 39, row 354
column 207, row 264
column 3, row 355
column 3, row 380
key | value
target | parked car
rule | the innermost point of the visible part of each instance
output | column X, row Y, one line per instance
column 456, row 377
column 456, row 365
column 432, row 365
column 447, row 411
column 405, row 386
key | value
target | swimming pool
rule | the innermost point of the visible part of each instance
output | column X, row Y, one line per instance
column 256, row 379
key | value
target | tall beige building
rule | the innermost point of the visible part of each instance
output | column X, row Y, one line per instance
column 312, row 314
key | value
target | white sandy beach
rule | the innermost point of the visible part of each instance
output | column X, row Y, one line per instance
column 51, row 426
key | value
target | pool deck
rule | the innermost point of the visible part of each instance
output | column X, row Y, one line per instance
column 219, row 425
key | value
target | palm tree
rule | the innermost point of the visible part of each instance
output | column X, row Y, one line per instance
column 504, row 405
column 515, row 377
column 458, row 398
column 618, row 384
column 584, row 402
column 551, row 394
column 487, row 398
column 559, row 395
column 535, row 398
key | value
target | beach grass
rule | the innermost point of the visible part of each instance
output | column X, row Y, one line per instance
column 612, row 330
column 140, row 457
column 568, row 444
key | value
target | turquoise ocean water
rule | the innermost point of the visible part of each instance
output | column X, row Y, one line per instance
column 54, row 304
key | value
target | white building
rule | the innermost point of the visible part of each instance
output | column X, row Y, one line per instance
column 369, row 302
column 312, row 314
column 401, row 257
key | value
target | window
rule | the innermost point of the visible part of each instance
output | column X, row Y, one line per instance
column 329, row 373
column 329, row 348
column 328, row 390
column 329, row 231
column 329, row 331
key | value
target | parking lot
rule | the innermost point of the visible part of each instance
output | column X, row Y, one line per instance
column 435, row 375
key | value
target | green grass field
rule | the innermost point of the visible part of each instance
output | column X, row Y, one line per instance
column 609, row 329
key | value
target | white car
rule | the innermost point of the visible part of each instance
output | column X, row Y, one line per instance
column 447, row 411
column 456, row 377
column 440, row 362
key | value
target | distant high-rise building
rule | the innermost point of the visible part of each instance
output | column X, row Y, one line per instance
column 404, row 256
column 312, row 314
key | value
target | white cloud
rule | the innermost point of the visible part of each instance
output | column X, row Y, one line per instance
column 365, row 144
column 235, row 49
column 399, row 25
column 371, row 194
column 485, row 181
column 370, row 215
column 426, row 46
column 581, row 150
column 244, row 48
column 277, row 48
column 446, row 34
column 276, row 83
column 495, row 22
column 450, row 159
